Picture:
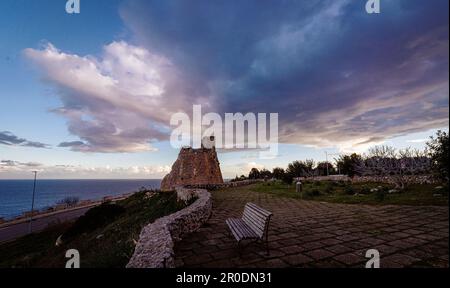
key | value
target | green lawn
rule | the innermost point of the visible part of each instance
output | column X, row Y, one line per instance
column 358, row 193
column 105, row 236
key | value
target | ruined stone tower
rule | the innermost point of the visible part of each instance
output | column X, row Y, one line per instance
column 194, row 167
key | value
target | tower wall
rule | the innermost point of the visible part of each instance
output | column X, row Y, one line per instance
column 194, row 167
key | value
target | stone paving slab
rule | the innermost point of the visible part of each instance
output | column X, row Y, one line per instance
column 318, row 234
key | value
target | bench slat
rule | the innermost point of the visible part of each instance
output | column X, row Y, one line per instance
column 256, row 225
column 259, row 209
column 243, row 229
column 256, row 218
column 252, row 225
column 240, row 229
column 233, row 229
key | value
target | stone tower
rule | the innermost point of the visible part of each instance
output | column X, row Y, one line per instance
column 194, row 167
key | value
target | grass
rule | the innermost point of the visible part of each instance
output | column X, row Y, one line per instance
column 358, row 193
column 105, row 236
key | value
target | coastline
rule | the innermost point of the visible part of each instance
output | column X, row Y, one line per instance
column 57, row 209
column 16, row 195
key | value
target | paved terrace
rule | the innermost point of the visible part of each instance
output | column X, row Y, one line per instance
column 317, row 234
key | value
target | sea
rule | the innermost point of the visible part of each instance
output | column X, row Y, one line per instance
column 16, row 195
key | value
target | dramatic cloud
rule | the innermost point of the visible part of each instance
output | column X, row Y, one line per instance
column 15, row 169
column 9, row 139
column 337, row 75
column 118, row 103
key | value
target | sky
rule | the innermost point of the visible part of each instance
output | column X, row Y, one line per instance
column 91, row 95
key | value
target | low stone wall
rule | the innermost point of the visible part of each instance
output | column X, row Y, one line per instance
column 412, row 179
column 156, row 241
column 325, row 178
column 225, row 185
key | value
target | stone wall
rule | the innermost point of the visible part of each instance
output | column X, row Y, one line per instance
column 156, row 241
column 412, row 179
column 225, row 185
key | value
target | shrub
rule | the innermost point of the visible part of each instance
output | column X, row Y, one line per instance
column 329, row 189
column 349, row 190
column 69, row 201
column 313, row 193
column 438, row 149
column 445, row 190
column 94, row 218
column 341, row 183
column 307, row 182
column 365, row 190
column 288, row 178
column 380, row 195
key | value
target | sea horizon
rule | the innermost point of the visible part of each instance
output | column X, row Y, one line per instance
column 16, row 194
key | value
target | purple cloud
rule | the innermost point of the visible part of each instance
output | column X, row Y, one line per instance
column 336, row 75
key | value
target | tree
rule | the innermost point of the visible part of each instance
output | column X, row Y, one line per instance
column 278, row 173
column 254, row 174
column 288, row 178
column 348, row 164
column 301, row 168
column 309, row 168
column 295, row 169
column 265, row 174
column 321, row 169
column 384, row 161
column 438, row 151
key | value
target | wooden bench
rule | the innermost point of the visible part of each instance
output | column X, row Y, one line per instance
column 253, row 225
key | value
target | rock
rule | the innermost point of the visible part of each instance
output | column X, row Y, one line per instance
column 59, row 241
column 149, row 195
column 439, row 187
column 393, row 191
column 100, row 236
column 437, row 195
column 373, row 190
